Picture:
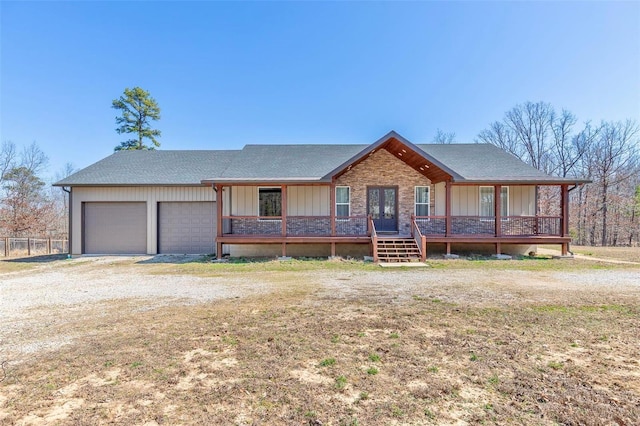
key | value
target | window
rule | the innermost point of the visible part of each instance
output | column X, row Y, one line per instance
column 343, row 201
column 486, row 201
column 422, row 201
column 270, row 201
column 504, row 201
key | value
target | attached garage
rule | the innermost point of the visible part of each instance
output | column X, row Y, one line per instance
column 114, row 228
column 186, row 227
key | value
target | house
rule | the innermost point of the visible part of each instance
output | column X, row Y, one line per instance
column 392, row 198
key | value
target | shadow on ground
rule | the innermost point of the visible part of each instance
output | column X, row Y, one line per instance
column 176, row 258
column 37, row 259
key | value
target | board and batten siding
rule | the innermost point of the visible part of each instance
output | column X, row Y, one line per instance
column 302, row 200
column 152, row 195
column 465, row 200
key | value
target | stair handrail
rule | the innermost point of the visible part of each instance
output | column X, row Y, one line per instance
column 374, row 239
column 421, row 240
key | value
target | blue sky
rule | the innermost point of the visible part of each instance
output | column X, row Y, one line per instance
column 230, row 73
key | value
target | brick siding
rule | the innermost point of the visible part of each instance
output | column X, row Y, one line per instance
column 384, row 169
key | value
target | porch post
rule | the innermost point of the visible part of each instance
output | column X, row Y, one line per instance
column 447, row 207
column 332, row 207
column 564, row 220
column 284, row 213
column 498, row 209
column 564, row 208
column 219, row 197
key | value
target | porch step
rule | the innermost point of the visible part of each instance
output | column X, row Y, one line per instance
column 397, row 249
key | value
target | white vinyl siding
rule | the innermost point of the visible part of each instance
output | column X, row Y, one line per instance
column 343, row 201
column 422, row 201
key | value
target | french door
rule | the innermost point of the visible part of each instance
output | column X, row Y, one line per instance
column 382, row 205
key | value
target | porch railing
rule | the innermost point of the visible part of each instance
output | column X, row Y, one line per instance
column 486, row 225
column 351, row 226
column 421, row 240
column 320, row 226
column 531, row 225
column 296, row 226
column 374, row 238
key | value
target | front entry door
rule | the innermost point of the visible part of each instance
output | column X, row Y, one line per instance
column 382, row 205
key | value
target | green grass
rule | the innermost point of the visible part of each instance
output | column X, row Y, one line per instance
column 372, row 371
column 327, row 362
column 204, row 267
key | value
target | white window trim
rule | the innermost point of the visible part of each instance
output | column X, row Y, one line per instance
column 507, row 203
column 335, row 207
column 415, row 200
column 258, row 204
column 494, row 195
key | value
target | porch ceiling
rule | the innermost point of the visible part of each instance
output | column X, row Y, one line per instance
column 405, row 152
column 417, row 161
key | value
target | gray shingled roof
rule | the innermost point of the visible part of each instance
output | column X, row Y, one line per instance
column 290, row 163
column 484, row 162
column 152, row 168
column 286, row 162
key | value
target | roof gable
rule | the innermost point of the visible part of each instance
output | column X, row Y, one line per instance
column 405, row 151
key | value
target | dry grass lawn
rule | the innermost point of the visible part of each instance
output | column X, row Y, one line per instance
column 629, row 254
column 495, row 351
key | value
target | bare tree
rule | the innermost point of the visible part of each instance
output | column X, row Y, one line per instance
column 444, row 137
column 615, row 159
column 26, row 209
column 499, row 134
column 7, row 158
column 33, row 158
column 605, row 153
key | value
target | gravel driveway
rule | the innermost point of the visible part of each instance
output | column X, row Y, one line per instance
column 60, row 292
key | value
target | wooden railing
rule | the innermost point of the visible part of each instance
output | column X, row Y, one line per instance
column 374, row 238
column 294, row 226
column 421, row 240
column 521, row 226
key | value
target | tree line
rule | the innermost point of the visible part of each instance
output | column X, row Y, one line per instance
column 28, row 206
column 31, row 208
column 605, row 212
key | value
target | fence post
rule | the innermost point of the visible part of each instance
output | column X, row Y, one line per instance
column 49, row 245
column 28, row 246
column 6, row 247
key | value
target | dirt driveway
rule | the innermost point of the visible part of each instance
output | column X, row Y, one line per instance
column 166, row 340
column 63, row 291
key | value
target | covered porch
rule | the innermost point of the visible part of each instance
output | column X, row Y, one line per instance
column 444, row 229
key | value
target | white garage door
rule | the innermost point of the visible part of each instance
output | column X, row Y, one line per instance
column 115, row 228
column 186, row 228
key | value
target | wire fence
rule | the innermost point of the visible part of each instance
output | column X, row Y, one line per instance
column 20, row 247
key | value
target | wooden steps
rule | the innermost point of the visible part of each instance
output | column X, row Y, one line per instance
column 397, row 249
